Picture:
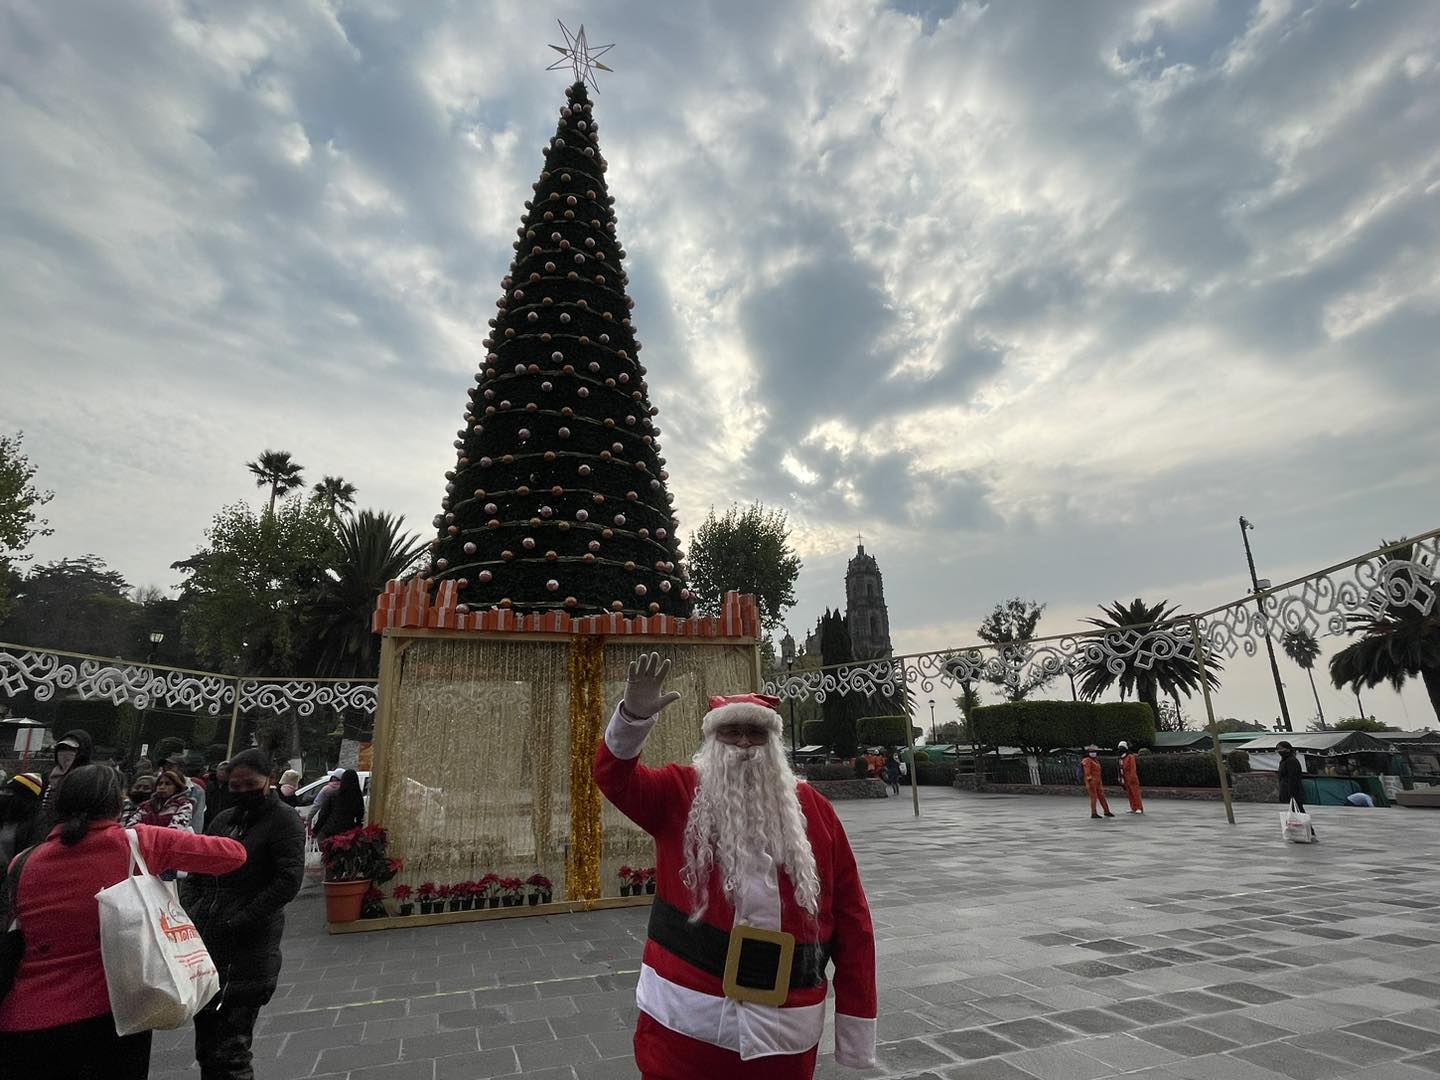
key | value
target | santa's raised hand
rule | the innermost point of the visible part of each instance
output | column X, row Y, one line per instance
column 645, row 693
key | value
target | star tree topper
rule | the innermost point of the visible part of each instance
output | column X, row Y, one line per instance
column 578, row 54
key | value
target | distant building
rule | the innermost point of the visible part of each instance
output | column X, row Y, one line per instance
column 866, row 617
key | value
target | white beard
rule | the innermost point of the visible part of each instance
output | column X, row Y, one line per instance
column 746, row 804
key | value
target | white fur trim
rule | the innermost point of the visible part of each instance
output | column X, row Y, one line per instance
column 752, row 1031
column 742, row 712
column 626, row 737
column 854, row 1041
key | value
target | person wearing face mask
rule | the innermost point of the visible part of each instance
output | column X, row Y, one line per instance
column 71, row 752
column 1130, row 778
column 141, row 792
column 1094, row 784
column 241, row 916
column 750, row 864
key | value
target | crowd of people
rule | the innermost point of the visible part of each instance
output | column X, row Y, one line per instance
column 230, row 834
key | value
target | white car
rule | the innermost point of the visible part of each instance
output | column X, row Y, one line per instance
column 305, row 796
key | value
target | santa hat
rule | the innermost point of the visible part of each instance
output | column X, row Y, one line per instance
column 757, row 709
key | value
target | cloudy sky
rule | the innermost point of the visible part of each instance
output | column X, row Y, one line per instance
column 1039, row 297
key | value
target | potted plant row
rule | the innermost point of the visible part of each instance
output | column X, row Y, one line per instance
column 355, row 864
column 491, row 891
column 636, row 881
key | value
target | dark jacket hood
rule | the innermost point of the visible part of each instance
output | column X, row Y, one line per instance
column 87, row 746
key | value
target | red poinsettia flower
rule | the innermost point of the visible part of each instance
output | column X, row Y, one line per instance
column 402, row 893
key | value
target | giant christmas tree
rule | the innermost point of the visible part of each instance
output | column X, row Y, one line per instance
column 558, row 497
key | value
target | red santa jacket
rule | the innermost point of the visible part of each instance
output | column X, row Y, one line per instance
column 1129, row 774
column 1092, row 772
column 687, row 1000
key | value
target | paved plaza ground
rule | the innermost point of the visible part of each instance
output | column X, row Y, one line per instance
column 1017, row 939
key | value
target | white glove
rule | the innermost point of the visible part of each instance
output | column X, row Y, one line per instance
column 645, row 694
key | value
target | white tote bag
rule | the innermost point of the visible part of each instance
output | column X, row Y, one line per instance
column 157, row 969
column 1295, row 825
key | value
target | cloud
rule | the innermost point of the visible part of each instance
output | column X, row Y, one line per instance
column 1037, row 297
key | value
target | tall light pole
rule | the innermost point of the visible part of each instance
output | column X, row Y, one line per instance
column 156, row 637
column 1245, row 528
column 933, row 739
column 787, row 654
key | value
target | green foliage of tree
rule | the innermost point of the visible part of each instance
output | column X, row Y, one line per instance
column 1398, row 642
column 1230, row 725
column 19, row 524
column 1038, row 726
column 747, row 551
column 953, row 731
column 1144, row 675
column 1361, row 723
column 275, row 469
column 247, row 591
column 335, row 494
column 838, row 710
column 75, row 605
column 1301, row 647
column 1012, row 626
column 884, row 730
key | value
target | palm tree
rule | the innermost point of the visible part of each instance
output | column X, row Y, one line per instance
column 275, row 470
column 371, row 549
column 335, row 494
column 1172, row 676
column 1398, row 641
column 1301, row 646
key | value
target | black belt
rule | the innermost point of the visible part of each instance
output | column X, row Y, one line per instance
column 705, row 947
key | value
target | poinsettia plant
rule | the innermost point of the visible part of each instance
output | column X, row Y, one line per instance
column 428, row 891
column 402, row 893
column 540, row 881
column 373, row 905
column 358, row 855
column 487, row 885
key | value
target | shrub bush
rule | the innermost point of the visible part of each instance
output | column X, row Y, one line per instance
column 1062, row 725
column 884, row 731
column 815, row 733
column 921, row 757
column 1155, row 770
column 860, row 768
column 827, row 772
column 1178, row 770
column 939, row 775
column 1238, row 760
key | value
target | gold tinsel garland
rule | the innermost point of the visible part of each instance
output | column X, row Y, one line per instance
column 587, row 700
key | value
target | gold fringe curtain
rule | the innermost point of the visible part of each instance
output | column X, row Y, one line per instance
column 488, row 749
column 587, row 668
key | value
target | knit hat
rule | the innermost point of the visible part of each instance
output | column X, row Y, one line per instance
column 757, row 709
column 26, row 781
column 1123, row 745
column 337, row 774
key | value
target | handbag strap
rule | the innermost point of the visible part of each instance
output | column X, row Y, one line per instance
column 136, row 859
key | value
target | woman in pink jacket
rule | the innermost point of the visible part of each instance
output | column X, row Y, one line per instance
column 55, row 1022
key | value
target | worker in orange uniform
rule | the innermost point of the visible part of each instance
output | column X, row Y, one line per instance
column 1130, row 777
column 1093, row 784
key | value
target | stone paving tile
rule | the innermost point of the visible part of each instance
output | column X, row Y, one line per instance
column 1135, row 950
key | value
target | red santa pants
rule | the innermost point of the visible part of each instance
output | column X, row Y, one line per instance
column 1132, row 789
column 1097, row 793
column 663, row 1054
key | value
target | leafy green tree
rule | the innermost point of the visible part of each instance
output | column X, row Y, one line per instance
column 1230, row 725
column 952, row 731
column 275, row 469
column 1398, row 642
column 370, row 549
column 1362, row 723
column 748, row 551
column 76, row 605
column 335, row 494
column 967, row 701
column 1301, row 647
column 1145, row 676
column 840, row 711
column 247, row 591
column 19, row 525
column 1012, row 626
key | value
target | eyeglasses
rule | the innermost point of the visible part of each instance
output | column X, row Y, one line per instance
column 734, row 735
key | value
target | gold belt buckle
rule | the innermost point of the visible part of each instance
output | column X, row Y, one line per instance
column 776, row 994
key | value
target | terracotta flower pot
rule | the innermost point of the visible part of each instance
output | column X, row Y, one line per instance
column 343, row 900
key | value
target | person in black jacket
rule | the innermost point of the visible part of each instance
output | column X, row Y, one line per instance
column 342, row 811
column 241, row 915
column 1291, row 786
column 72, row 751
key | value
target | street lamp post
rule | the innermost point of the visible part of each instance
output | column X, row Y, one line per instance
column 1245, row 528
column 933, row 739
column 156, row 637
column 787, row 654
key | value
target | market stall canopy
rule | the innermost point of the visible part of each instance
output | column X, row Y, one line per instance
column 1319, row 742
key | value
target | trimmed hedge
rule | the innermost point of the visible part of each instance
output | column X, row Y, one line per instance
column 884, row 730
column 1238, row 760
column 939, row 775
column 827, row 772
column 1064, row 725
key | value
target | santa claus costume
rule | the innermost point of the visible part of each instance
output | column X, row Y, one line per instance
column 754, row 876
